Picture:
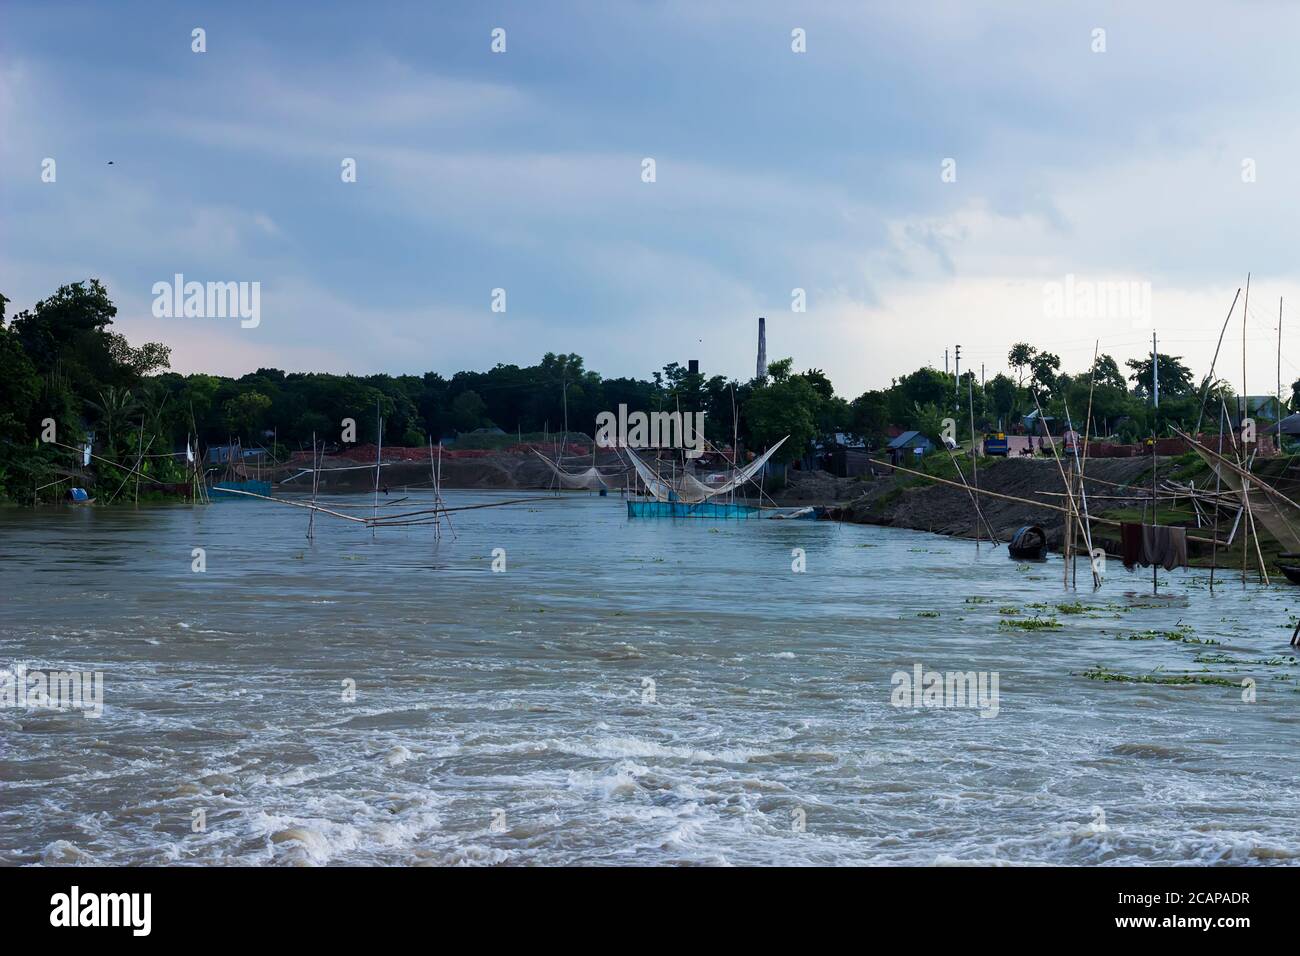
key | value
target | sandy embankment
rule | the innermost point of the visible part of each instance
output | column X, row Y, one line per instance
column 944, row 509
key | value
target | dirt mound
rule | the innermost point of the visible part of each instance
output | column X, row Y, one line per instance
column 817, row 488
column 944, row 509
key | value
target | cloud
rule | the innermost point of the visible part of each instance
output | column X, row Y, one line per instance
column 775, row 171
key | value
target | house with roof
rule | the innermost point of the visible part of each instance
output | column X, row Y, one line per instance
column 1291, row 425
column 910, row 445
column 1036, row 424
column 1262, row 408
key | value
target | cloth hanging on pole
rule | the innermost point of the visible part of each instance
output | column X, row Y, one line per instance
column 1147, row 545
column 1130, row 534
column 1175, row 554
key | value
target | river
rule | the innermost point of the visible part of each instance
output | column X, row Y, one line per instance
column 624, row 692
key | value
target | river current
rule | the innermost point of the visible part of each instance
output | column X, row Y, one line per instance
column 626, row 691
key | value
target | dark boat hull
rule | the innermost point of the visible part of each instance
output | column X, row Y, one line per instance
column 1028, row 543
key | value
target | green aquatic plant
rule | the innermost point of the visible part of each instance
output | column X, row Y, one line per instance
column 1190, row 639
column 1078, row 607
column 1103, row 674
column 1009, row 610
column 927, row 614
column 1182, row 634
column 1033, row 624
column 1204, row 658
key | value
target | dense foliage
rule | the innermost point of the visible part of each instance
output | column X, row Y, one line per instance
column 60, row 362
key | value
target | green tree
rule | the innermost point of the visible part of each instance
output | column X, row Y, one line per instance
column 114, row 411
column 928, row 420
column 245, row 413
column 785, row 406
column 1019, row 358
column 1175, row 377
column 1002, row 394
column 468, row 412
column 779, row 371
column 1044, row 366
column 1105, row 373
column 925, row 386
column 869, row 416
column 20, row 390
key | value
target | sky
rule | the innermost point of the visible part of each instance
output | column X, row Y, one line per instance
column 930, row 174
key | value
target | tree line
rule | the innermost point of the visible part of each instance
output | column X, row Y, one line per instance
column 61, row 363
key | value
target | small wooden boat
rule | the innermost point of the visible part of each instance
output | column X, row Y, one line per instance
column 1028, row 543
column 1291, row 571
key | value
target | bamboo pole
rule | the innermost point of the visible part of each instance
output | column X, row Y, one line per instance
column 1083, row 463
column 975, row 502
column 1024, row 501
column 295, row 504
column 393, row 519
column 379, row 452
column 1074, row 565
column 433, row 481
column 1066, row 545
column 1071, row 506
column 1218, row 478
column 1083, row 499
column 1205, row 388
column 974, row 460
column 129, row 472
column 140, row 460
column 315, row 485
column 1245, row 410
column 1155, row 423
column 441, row 502
column 1244, row 474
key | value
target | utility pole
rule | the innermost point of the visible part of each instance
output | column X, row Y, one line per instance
column 945, row 361
column 956, row 369
column 1155, row 373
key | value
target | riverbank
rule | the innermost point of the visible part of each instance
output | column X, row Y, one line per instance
column 1119, row 489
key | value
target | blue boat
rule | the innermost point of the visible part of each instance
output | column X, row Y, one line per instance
column 681, row 509
column 252, row 486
